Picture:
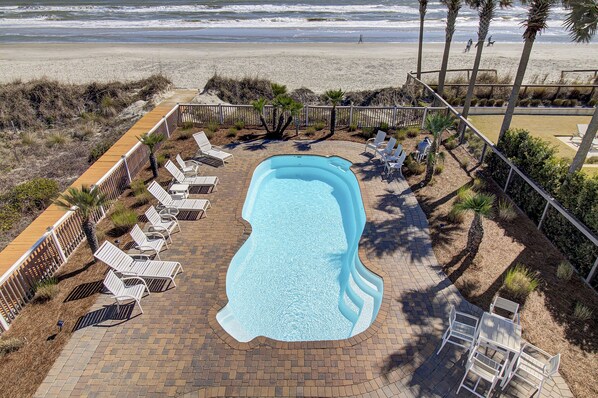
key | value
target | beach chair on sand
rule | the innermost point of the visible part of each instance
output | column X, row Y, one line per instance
column 143, row 268
column 208, row 150
column 190, row 167
column 196, row 181
column 176, row 205
column 121, row 292
column 375, row 143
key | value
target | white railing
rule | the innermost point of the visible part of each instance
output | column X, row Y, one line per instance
column 54, row 247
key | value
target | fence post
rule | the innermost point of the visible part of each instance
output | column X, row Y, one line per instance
column 166, row 125
column 543, row 214
column 351, row 115
column 394, row 116
column 221, row 114
column 306, row 115
column 124, row 158
column 508, row 180
column 3, row 323
column 424, row 117
column 592, row 272
column 483, row 152
column 57, row 243
column 179, row 115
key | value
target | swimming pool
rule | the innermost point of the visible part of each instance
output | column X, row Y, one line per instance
column 298, row 276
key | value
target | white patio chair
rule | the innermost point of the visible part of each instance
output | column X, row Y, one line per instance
column 421, row 156
column 484, row 367
column 144, row 268
column 173, row 206
column 534, row 366
column 394, row 156
column 388, row 148
column 208, row 150
column 189, row 167
column 505, row 306
column 376, row 142
column 145, row 243
column 196, row 181
column 121, row 292
column 390, row 167
column 461, row 330
column 163, row 223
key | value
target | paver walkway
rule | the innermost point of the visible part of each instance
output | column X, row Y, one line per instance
column 177, row 348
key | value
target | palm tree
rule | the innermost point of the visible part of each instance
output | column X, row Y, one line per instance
column 152, row 141
column 87, row 200
column 453, row 7
column 259, row 106
column 537, row 15
column 480, row 205
column 285, row 104
column 485, row 10
column 335, row 97
column 423, row 8
column 435, row 124
column 582, row 21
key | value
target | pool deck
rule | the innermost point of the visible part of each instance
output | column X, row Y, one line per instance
column 177, row 348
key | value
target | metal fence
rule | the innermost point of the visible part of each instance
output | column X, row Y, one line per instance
column 479, row 145
column 346, row 116
column 17, row 285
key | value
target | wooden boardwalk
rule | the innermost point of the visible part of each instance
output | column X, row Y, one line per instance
column 39, row 226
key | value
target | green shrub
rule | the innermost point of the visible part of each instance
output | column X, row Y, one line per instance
column 108, row 106
column 592, row 160
column 46, row 290
column 592, row 102
column 239, row 124
column 185, row 134
column 138, row 187
column 464, row 163
column 520, row 282
column 415, row 167
column 368, row 132
column 36, row 194
column 478, row 184
column 232, row 133
column 8, row 216
column 318, row 126
column 401, row 135
column 506, row 211
column 384, row 126
column 490, row 102
column 98, row 150
column 123, row 218
column 56, row 139
column 412, row 132
column 564, row 271
column 558, row 102
column 482, row 102
column 161, row 159
column 352, row 127
column 187, row 125
column 451, row 143
column 582, row 312
column 474, row 101
column 536, row 103
column 212, row 127
column 439, row 169
column 310, row 131
column 463, row 193
column 84, row 132
column 11, row 344
column 499, row 102
column 28, row 139
column 209, row 134
column 455, row 216
column 524, row 102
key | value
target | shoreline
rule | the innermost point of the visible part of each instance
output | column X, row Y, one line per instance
column 317, row 66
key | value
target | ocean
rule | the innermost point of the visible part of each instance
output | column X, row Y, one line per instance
column 181, row 21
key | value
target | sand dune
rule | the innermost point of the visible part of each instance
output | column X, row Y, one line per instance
column 313, row 65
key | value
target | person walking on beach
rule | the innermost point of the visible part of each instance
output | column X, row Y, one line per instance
column 490, row 42
column 360, row 39
column 468, row 46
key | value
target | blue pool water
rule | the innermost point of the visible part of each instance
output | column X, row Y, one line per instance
column 298, row 277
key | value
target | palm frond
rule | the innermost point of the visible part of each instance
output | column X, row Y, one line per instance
column 423, row 7
column 335, row 97
column 437, row 123
column 480, row 203
column 537, row 17
column 151, row 140
column 581, row 20
column 87, row 199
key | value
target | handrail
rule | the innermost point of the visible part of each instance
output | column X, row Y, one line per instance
column 508, row 85
column 21, row 259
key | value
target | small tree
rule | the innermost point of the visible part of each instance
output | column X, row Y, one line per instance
column 152, row 141
column 435, row 124
column 259, row 106
column 481, row 206
column 87, row 200
column 335, row 97
column 283, row 106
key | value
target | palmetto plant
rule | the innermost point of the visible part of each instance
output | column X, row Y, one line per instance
column 335, row 97
column 435, row 124
column 480, row 205
column 152, row 141
column 87, row 200
column 453, row 7
column 283, row 105
column 423, row 8
column 485, row 10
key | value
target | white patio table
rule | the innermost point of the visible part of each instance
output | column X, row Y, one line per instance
column 503, row 333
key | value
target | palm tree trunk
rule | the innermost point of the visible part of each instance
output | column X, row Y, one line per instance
column 89, row 228
column 333, row 119
column 450, row 29
column 431, row 163
column 472, row 81
column 289, row 121
column 420, row 45
column 153, row 164
column 506, row 122
column 475, row 235
column 586, row 144
column 264, row 123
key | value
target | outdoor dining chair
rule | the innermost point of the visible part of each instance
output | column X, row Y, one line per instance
column 461, row 330
column 487, row 363
column 505, row 306
column 534, row 366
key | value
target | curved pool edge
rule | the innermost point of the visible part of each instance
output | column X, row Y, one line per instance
column 371, row 266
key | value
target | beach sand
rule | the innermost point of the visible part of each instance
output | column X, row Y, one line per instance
column 318, row 66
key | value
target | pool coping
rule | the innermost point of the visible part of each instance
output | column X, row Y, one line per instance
column 318, row 344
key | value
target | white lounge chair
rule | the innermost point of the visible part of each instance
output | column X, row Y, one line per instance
column 145, row 243
column 485, row 368
column 196, row 181
column 394, row 156
column 163, row 223
column 505, row 306
column 189, row 167
column 461, row 330
column 388, row 148
column 534, row 366
column 121, row 292
column 207, row 149
column 172, row 205
column 125, row 265
column 397, row 165
column 375, row 143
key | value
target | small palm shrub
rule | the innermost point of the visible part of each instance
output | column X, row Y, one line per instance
column 455, row 216
column 464, row 163
column 506, row 211
column 524, row 102
column 464, row 193
column 11, row 344
column 56, row 139
column 564, row 271
column 519, row 282
column 153, row 141
column 123, row 218
column 582, row 312
column 46, row 290
column 239, row 125
column 480, row 205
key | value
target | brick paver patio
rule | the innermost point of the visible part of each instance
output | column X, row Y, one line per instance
column 177, row 348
